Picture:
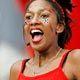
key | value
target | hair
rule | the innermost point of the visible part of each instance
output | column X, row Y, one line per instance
column 62, row 17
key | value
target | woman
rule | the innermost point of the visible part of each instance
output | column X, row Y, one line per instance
column 47, row 29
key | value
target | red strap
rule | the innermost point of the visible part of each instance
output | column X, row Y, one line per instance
column 22, row 65
column 64, row 58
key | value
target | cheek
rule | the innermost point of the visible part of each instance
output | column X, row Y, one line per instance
column 26, row 32
column 50, row 27
column 53, row 26
column 50, row 31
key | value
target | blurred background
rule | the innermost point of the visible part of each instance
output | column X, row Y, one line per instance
column 11, row 36
column 12, row 47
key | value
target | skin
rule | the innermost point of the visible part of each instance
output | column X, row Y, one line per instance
column 48, row 46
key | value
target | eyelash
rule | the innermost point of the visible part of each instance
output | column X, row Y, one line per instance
column 44, row 16
column 28, row 17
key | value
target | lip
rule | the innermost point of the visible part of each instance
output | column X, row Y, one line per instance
column 36, row 28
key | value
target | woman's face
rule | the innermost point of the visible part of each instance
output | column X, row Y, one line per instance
column 41, row 25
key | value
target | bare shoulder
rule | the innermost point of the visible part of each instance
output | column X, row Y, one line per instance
column 75, row 55
column 74, row 61
column 15, row 70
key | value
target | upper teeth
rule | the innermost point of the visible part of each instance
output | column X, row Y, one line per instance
column 33, row 31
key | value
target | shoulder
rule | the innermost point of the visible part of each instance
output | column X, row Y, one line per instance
column 15, row 70
column 74, row 61
column 74, row 55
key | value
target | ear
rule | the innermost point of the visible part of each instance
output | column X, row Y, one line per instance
column 60, row 28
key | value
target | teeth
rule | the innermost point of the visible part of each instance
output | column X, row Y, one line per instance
column 33, row 31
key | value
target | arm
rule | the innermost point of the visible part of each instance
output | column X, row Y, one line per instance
column 15, row 70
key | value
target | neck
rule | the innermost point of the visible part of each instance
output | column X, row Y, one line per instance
column 41, row 58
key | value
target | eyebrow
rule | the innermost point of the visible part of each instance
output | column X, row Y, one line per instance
column 40, row 10
column 48, row 10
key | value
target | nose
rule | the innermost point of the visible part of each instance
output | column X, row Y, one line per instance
column 35, row 21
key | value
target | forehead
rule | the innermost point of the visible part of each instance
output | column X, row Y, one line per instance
column 40, row 5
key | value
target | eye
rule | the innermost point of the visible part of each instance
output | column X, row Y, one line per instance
column 29, row 17
column 44, row 16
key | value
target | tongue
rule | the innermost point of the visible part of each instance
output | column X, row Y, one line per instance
column 37, row 38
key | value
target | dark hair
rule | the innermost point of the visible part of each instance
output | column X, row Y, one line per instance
column 65, row 36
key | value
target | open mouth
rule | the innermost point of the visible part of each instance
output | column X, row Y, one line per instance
column 36, row 35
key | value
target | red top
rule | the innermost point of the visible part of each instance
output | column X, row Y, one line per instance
column 56, row 74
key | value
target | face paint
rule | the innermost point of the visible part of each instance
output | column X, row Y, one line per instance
column 27, row 23
column 45, row 20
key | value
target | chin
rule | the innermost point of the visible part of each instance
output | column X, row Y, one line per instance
column 39, row 48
